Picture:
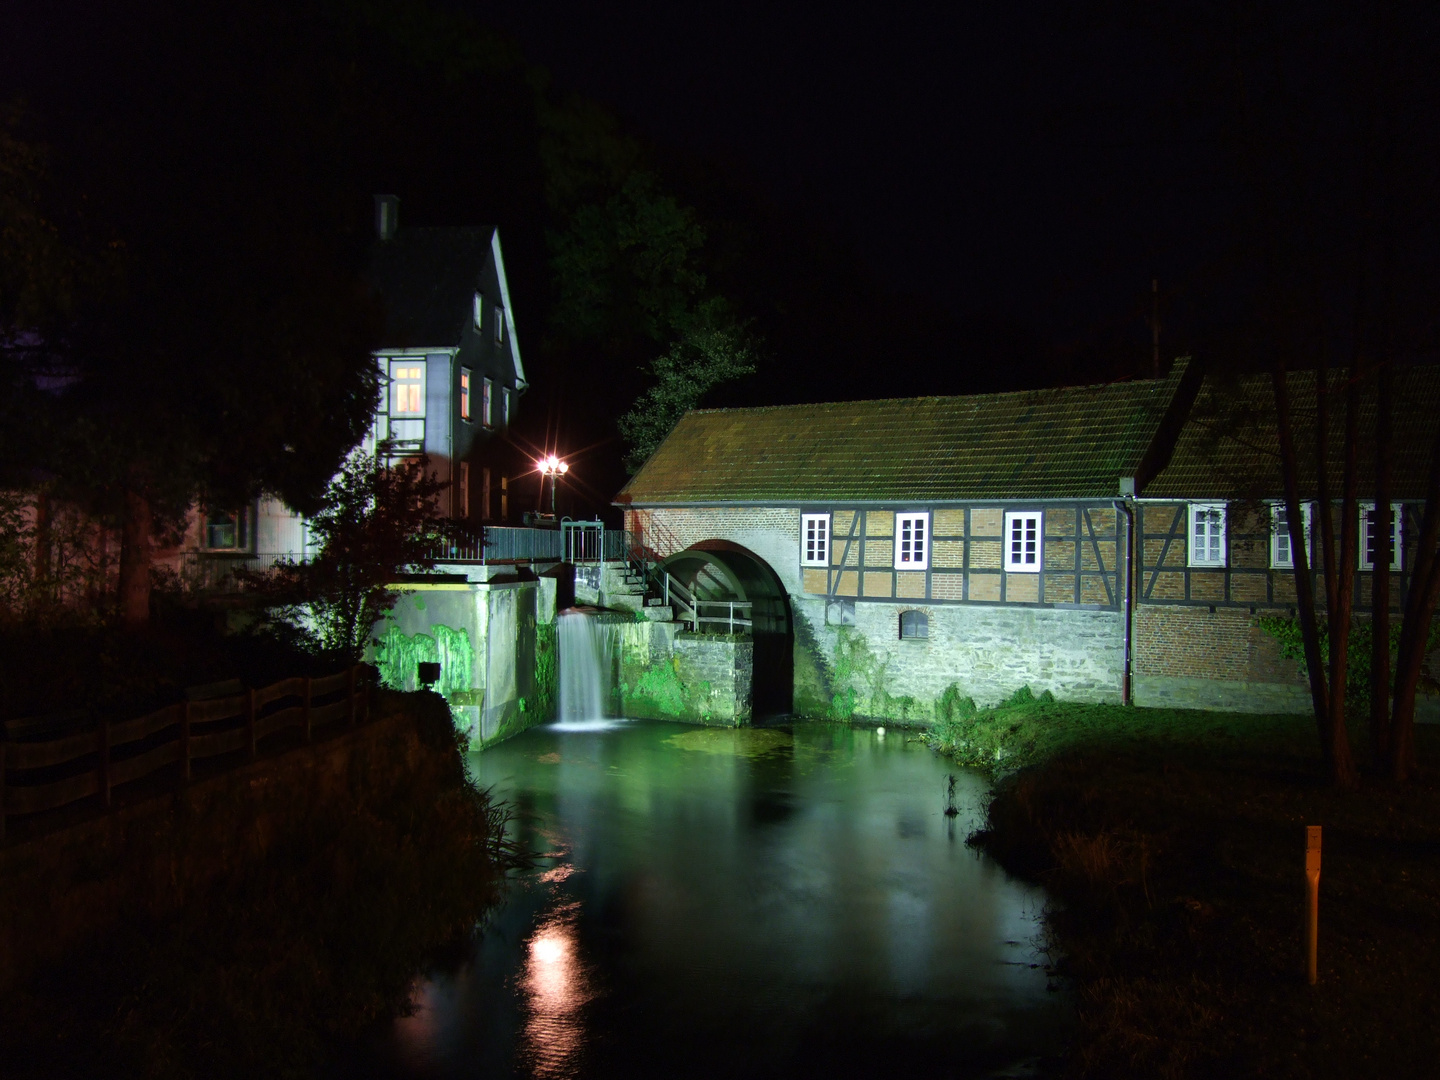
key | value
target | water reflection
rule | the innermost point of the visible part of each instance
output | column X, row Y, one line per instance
column 720, row 903
column 557, row 988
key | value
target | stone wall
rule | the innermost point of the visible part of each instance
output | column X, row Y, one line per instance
column 664, row 673
column 865, row 670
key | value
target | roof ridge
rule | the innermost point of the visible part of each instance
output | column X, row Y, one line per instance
column 1153, row 384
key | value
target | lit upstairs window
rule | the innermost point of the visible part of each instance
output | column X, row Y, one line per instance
column 464, row 394
column 407, row 389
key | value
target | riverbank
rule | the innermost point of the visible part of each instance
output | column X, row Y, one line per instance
column 1174, row 843
column 300, row 943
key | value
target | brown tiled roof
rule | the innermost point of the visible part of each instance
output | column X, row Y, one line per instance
column 1229, row 447
column 1065, row 442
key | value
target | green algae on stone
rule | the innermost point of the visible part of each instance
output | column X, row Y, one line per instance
column 739, row 742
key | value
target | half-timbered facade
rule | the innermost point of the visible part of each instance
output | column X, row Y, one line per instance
column 1104, row 543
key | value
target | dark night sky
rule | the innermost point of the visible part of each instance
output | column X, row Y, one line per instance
column 1011, row 160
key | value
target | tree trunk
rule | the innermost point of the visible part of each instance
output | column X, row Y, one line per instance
column 1415, row 630
column 1304, row 580
column 1342, row 610
column 1380, row 580
column 135, row 532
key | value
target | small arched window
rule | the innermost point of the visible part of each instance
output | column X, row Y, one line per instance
column 914, row 625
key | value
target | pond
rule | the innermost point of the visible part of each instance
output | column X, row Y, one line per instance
column 778, row 901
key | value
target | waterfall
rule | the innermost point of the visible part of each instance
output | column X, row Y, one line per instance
column 585, row 665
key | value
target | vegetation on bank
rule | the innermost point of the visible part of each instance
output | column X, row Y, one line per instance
column 1173, row 841
column 322, row 941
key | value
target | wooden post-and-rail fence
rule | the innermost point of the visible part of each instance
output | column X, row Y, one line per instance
column 43, row 775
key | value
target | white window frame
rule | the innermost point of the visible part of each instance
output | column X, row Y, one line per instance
column 1026, row 562
column 505, row 406
column 477, row 315
column 1281, row 531
column 1397, row 536
column 399, row 382
column 1195, row 558
column 466, row 384
column 487, row 402
column 912, row 550
column 499, row 326
column 815, row 546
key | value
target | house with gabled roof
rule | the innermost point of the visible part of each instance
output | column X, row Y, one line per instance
column 1103, row 543
column 451, row 376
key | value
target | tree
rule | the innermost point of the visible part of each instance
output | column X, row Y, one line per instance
column 376, row 521
column 713, row 351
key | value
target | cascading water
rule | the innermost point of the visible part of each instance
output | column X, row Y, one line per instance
column 585, row 663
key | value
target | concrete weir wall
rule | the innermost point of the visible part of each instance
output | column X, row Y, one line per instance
column 491, row 630
column 60, row 889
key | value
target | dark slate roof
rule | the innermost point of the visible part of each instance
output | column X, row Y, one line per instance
column 1229, row 447
column 426, row 279
column 1066, row 442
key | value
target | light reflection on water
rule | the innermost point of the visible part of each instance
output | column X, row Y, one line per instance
column 557, row 987
column 721, row 903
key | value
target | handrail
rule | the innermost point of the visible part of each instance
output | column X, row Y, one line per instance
column 118, row 752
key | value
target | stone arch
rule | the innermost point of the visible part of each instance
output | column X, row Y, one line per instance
column 721, row 570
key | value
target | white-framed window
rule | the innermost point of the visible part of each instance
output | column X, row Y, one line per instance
column 499, row 325
column 1368, row 538
column 505, row 393
column 477, row 313
column 487, row 401
column 464, row 489
column 912, row 541
column 814, row 539
column 407, row 388
column 464, row 393
column 1024, row 541
column 1207, row 534
column 1281, row 556
column 227, row 531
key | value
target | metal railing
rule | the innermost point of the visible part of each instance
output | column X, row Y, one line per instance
column 214, row 571
column 734, row 615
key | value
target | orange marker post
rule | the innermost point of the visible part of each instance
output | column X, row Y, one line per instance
column 1312, row 896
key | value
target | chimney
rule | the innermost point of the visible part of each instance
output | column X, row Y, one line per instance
column 387, row 216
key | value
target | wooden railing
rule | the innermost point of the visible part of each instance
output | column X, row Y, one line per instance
column 117, row 752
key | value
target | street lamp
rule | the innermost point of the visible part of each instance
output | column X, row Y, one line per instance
column 553, row 467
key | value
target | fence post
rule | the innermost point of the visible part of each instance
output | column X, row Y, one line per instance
column 350, row 694
column 185, row 740
column 105, row 761
column 250, row 722
column 306, row 713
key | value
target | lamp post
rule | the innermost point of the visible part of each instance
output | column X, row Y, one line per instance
column 553, row 467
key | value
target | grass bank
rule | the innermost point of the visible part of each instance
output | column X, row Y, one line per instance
column 1173, row 842
column 296, row 956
